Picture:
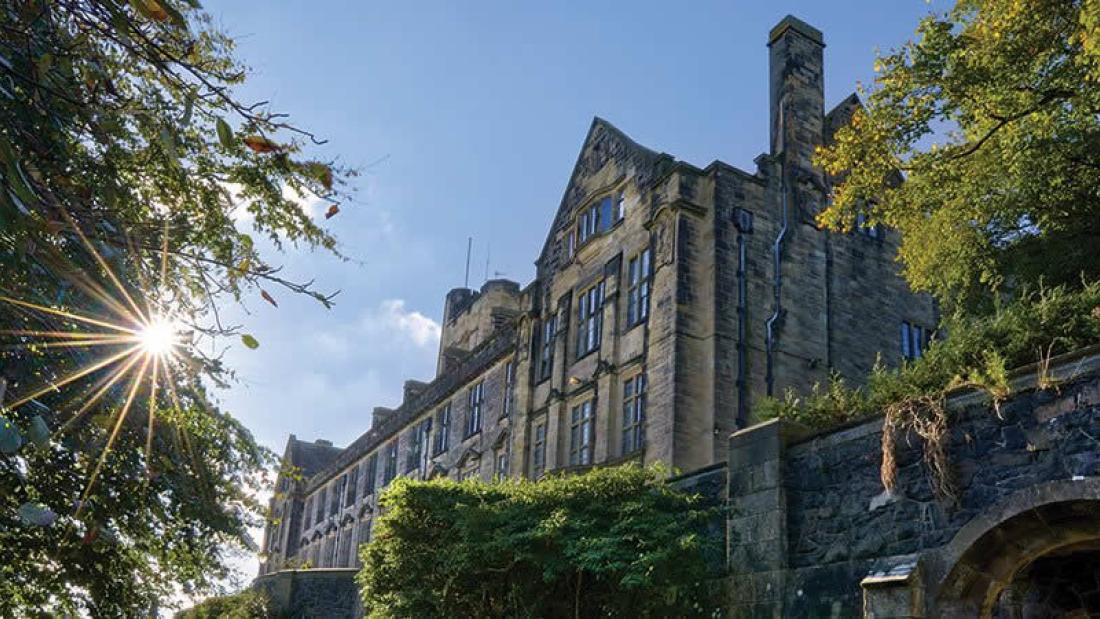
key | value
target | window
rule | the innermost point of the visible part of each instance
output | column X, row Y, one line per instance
column 865, row 228
column 418, row 447
column 372, row 474
column 474, row 399
column 914, row 339
column 353, row 487
column 637, row 298
column 320, row 507
column 503, row 455
column 596, row 219
column 538, row 451
column 442, row 434
column 633, row 414
column 337, row 493
column 390, row 470
column 308, row 515
column 509, row 388
column 589, row 319
column 546, row 348
column 582, row 433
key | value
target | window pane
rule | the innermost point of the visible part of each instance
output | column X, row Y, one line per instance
column 605, row 220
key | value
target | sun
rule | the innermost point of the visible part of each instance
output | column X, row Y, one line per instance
column 159, row 336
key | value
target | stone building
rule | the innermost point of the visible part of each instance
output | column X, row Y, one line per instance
column 668, row 299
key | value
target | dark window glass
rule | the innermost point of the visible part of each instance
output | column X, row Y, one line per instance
column 372, row 474
column 390, row 470
column 320, row 506
column 607, row 216
column 546, row 348
column 442, row 433
column 502, row 459
column 308, row 516
column 353, row 486
column 914, row 340
column 337, row 493
column 582, row 433
column 509, row 388
column 538, row 451
column 638, row 273
column 475, row 398
column 589, row 319
column 634, row 414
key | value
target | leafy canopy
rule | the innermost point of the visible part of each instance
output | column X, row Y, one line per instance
column 119, row 124
column 614, row 542
column 991, row 114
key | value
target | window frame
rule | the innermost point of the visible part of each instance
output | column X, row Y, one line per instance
column 547, row 333
column 319, row 506
column 635, row 390
column 590, row 303
column 582, row 433
column 596, row 219
column 914, row 340
column 371, row 480
column 475, row 401
column 639, row 277
column 352, row 491
column 508, row 402
column 389, row 471
column 538, row 449
column 443, row 432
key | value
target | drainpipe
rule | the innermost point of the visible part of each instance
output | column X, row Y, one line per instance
column 743, row 222
column 777, row 250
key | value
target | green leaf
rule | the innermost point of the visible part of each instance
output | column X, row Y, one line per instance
column 36, row 514
column 10, row 438
column 225, row 133
column 39, row 432
column 250, row 341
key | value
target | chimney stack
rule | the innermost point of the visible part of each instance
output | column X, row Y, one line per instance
column 797, row 99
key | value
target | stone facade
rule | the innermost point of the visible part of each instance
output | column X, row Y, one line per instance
column 668, row 299
column 812, row 533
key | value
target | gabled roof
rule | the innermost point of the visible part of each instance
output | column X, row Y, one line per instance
column 604, row 142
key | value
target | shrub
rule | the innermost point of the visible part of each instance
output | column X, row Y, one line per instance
column 248, row 604
column 614, row 542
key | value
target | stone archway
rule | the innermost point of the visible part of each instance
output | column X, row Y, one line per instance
column 1025, row 557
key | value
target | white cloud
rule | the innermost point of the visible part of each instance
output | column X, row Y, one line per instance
column 392, row 315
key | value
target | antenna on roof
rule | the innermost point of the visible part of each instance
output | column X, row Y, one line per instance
column 469, row 246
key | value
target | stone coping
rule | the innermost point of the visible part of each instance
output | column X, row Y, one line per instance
column 1061, row 369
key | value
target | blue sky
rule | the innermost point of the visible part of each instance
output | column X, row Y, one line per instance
column 475, row 112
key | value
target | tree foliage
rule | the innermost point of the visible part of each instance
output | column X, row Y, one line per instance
column 991, row 114
column 124, row 151
column 614, row 542
column 248, row 604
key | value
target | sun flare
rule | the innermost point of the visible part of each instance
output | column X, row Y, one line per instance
column 159, row 336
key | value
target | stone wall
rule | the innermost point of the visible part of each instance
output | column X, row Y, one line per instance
column 813, row 533
column 312, row 594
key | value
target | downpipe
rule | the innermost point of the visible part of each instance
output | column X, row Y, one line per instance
column 777, row 251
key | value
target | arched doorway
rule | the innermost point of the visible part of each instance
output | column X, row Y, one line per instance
column 1036, row 555
column 1064, row 583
